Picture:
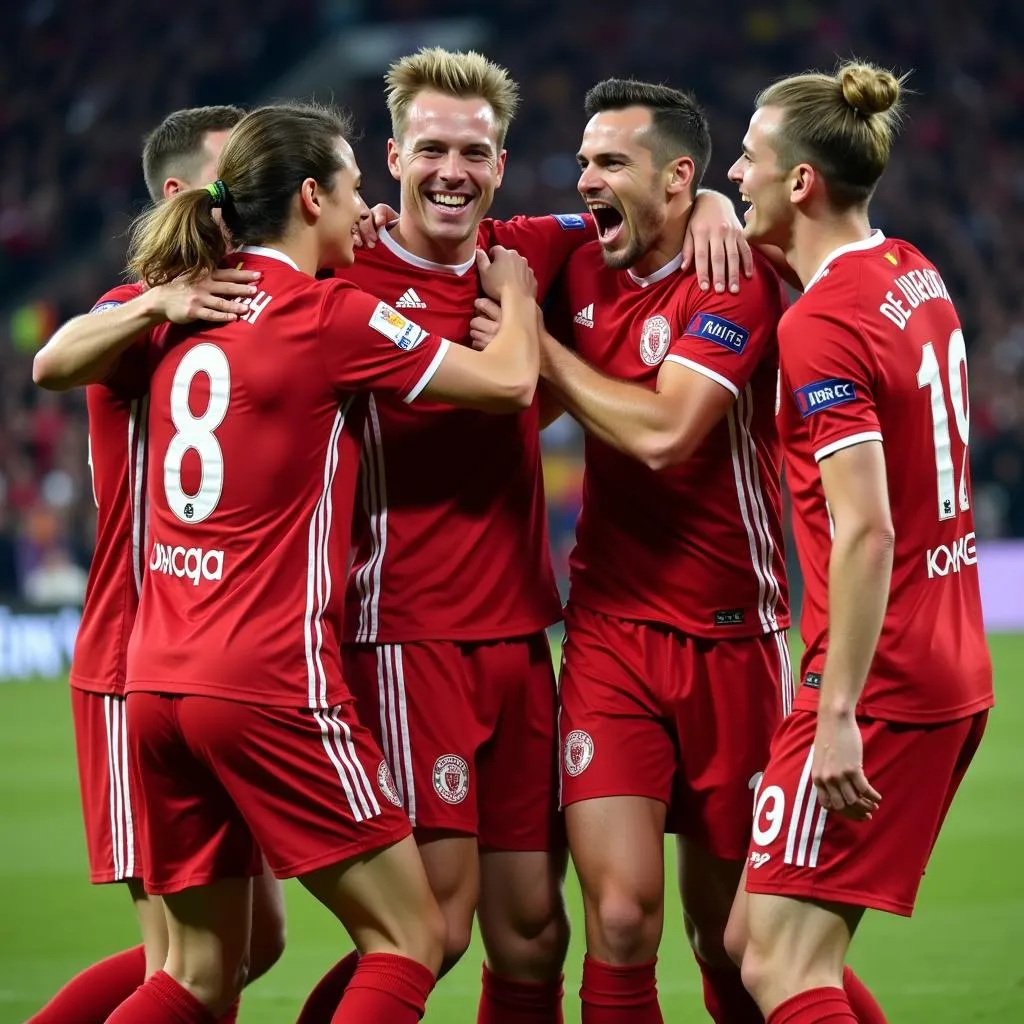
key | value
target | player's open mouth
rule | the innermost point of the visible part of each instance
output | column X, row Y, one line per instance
column 750, row 205
column 451, row 204
column 609, row 221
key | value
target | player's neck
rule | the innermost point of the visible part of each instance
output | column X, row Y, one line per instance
column 814, row 240
column 667, row 246
column 449, row 252
column 301, row 248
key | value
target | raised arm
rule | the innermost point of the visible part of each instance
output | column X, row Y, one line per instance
column 86, row 349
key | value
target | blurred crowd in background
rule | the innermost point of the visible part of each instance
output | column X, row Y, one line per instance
column 81, row 83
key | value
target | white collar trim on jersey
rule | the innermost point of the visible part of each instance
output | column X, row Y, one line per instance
column 875, row 238
column 271, row 254
column 659, row 275
column 458, row 269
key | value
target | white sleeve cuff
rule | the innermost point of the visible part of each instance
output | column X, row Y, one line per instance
column 846, row 442
column 429, row 371
column 705, row 372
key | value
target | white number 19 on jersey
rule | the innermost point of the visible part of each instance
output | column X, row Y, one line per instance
column 196, row 433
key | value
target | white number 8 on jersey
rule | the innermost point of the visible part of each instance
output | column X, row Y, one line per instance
column 195, row 433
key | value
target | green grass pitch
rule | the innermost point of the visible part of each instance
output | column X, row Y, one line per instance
column 958, row 961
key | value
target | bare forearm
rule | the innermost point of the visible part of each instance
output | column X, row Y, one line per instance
column 623, row 415
column 85, row 349
column 860, row 570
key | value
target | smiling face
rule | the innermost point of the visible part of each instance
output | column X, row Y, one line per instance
column 449, row 163
column 341, row 208
column 763, row 185
column 621, row 185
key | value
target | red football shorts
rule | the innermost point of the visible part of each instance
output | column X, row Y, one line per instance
column 108, row 796
column 800, row 849
column 219, row 781
column 469, row 730
column 649, row 711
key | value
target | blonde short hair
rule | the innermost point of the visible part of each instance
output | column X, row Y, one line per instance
column 465, row 75
column 842, row 124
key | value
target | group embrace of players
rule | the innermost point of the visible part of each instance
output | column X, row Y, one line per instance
column 314, row 639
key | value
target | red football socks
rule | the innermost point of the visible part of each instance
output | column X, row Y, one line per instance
column 619, row 995
column 864, row 1005
column 321, row 1003
column 815, row 1006
column 503, row 1001
column 161, row 1001
column 91, row 996
column 385, row 987
column 727, row 1001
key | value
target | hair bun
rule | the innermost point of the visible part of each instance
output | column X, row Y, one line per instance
column 869, row 90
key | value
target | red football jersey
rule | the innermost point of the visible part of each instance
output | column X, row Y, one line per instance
column 254, row 433
column 117, row 458
column 874, row 351
column 450, row 534
column 698, row 546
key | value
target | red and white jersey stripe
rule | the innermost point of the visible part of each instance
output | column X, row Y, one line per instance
column 699, row 546
column 118, row 427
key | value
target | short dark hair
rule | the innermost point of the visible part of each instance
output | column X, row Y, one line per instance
column 262, row 166
column 175, row 146
column 679, row 127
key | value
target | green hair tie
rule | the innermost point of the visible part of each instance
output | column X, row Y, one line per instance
column 218, row 192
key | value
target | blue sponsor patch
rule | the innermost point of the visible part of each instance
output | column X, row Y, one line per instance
column 570, row 221
column 719, row 330
column 105, row 305
column 824, row 394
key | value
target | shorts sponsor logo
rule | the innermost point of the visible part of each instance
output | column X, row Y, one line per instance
column 578, row 751
column 451, row 778
column 386, row 784
column 813, row 680
column 570, row 221
column 951, row 558
column 654, row 338
column 719, row 330
column 824, row 394
column 403, row 333
column 758, row 860
column 193, row 564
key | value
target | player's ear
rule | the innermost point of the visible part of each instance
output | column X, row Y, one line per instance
column 499, row 168
column 393, row 164
column 172, row 186
column 680, row 176
column 802, row 180
column 309, row 199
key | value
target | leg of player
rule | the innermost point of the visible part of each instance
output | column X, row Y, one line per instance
column 617, row 846
column 452, row 863
column 525, row 930
column 208, row 929
column 707, row 887
column 384, row 901
column 793, row 961
column 864, row 1005
column 266, row 943
column 152, row 925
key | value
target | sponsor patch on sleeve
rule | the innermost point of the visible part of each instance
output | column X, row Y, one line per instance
column 712, row 327
column 570, row 221
column 105, row 305
column 824, row 394
column 403, row 333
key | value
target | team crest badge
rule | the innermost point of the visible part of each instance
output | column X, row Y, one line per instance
column 578, row 751
column 386, row 784
column 451, row 778
column 654, row 338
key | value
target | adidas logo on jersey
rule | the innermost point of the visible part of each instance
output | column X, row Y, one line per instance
column 410, row 300
column 585, row 317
